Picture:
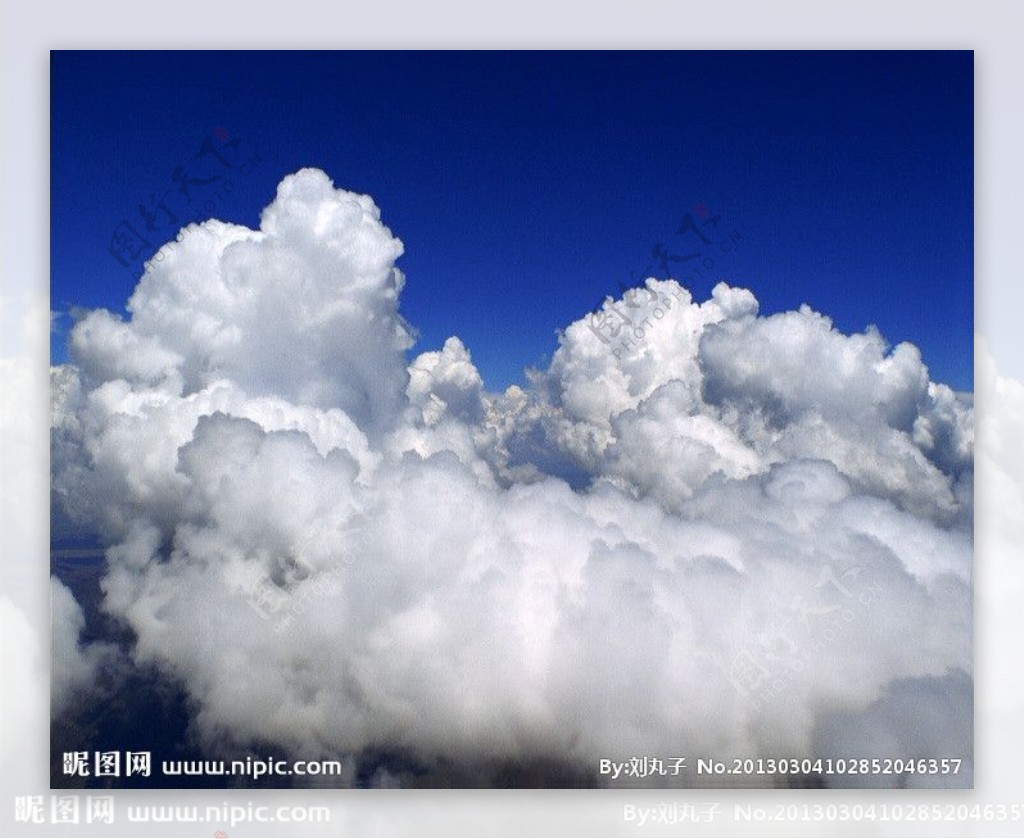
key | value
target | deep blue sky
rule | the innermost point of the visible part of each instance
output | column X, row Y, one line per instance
column 526, row 186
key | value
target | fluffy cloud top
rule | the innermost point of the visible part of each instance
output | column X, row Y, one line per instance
column 705, row 540
column 305, row 308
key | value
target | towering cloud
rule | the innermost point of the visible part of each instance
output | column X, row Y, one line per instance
column 734, row 536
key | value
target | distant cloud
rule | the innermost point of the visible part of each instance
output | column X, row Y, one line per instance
column 75, row 667
column 706, row 545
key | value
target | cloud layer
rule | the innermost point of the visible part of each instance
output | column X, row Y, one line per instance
column 700, row 531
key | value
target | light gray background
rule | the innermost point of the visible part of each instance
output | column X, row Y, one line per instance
column 27, row 32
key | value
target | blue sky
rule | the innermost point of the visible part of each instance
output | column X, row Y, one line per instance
column 526, row 186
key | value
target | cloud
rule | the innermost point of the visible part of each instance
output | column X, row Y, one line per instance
column 305, row 309
column 696, row 541
column 75, row 667
column 919, row 720
column 24, row 323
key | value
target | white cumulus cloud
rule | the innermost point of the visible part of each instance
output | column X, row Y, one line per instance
column 708, row 540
